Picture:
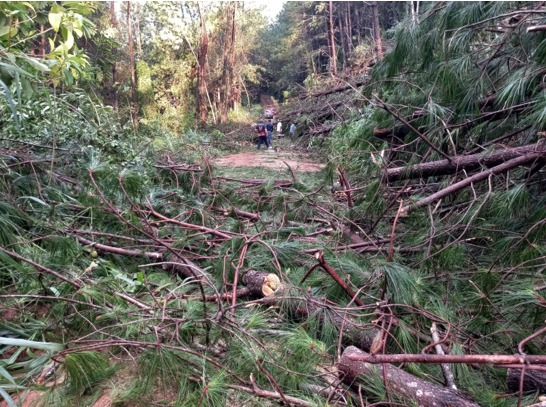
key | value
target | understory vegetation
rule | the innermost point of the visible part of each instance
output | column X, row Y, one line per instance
column 135, row 269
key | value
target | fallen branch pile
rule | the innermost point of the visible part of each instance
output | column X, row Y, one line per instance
column 281, row 251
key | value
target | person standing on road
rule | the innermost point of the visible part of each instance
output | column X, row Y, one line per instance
column 269, row 128
column 262, row 134
column 292, row 129
column 279, row 128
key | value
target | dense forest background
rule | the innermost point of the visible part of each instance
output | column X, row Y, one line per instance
column 135, row 271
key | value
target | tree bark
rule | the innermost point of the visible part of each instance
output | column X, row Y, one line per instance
column 377, row 31
column 343, row 46
column 138, row 32
column 349, row 28
column 400, row 383
column 134, row 94
column 231, row 89
column 114, row 22
column 333, row 58
column 202, row 71
column 498, row 360
column 226, row 95
column 297, row 306
column 499, row 169
column 462, row 163
column 533, row 380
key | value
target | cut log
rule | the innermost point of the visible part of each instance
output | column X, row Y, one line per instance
column 533, row 380
column 261, row 284
column 462, row 162
column 291, row 300
column 400, row 383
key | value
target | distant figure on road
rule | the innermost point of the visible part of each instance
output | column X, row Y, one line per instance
column 262, row 134
column 292, row 129
column 269, row 128
column 279, row 129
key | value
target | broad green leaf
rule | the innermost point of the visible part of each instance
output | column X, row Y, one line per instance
column 69, row 37
column 7, row 29
column 47, row 346
column 7, row 398
column 37, row 65
column 29, row 5
column 56, row 16
column 6, row 375
column 13, row 69
column 11, row 56
column 63, row 48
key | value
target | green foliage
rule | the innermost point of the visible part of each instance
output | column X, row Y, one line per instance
column 74, row 173
column 86, row 369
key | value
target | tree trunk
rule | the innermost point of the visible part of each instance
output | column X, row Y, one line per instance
column 462, row 163
column 43, row 42
column 229, row 61
column 114, row 22
column 202, row 71
column 342, row 41
column 231, row 89
column 377, row 31
column 333, row 58
column 481, row 176
column 357, row 19
column 349, row 29
column 295, row 304
column 138, row 33
column 400, row 383
column 134, row 94
column 533, row 380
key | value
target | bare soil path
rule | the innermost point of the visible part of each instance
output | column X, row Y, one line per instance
column 284, row 155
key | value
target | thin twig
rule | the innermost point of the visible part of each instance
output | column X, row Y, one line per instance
column 448, row 374
column 338, row 279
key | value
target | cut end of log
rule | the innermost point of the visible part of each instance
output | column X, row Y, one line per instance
column 271, row 284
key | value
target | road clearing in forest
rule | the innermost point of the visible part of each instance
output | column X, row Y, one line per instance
column 269, row 159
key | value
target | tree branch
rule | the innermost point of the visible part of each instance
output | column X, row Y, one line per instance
column 516, row 162
column 461, row 162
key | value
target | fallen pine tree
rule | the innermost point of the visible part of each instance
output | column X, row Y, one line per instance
column 467, row 163
column 399, row 383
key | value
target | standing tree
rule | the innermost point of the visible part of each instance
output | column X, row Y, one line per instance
column 228, row 77
column 202, row 68
column 134, row 88
column 377, row 31
column 333, row 57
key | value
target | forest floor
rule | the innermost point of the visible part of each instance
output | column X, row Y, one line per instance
column 284, row 158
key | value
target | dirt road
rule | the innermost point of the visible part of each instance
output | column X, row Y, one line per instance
column 269, row 159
